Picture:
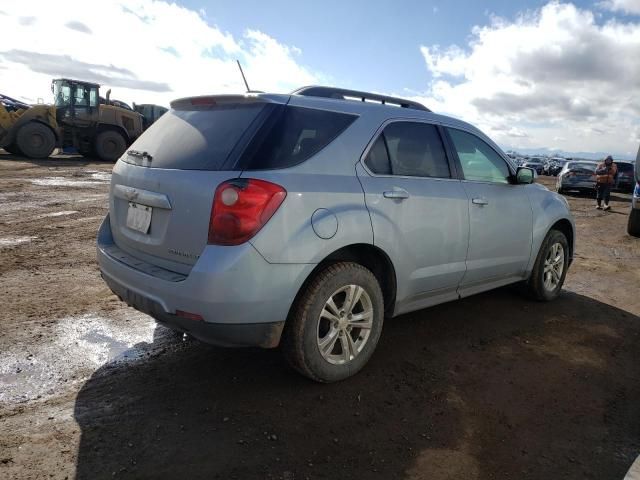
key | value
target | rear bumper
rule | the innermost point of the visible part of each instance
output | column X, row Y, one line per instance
column 578, row 185
column 243, row 299
column 266, row 335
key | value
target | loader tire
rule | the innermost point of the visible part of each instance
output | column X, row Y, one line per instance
column 13, row 148
column 36, row 140
column 110, row 145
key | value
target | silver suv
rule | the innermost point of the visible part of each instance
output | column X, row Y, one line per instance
column 305, row 220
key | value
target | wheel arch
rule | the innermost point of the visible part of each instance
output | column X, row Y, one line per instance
column 370, row 257
column 41, row 122
column 566, row 227
column 42, row 114
column 104, row 127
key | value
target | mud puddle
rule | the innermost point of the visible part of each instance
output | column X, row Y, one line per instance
column 64, row 182
column 78, row 346
column 64, row 213
column 13, row 241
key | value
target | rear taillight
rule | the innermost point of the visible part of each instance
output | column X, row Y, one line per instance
column 241, row 207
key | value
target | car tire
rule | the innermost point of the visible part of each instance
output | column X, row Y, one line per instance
column 546, row 278
column 36, row 140
column 320, row 332
column 110, row 145
column 560, row 190
column 633, row 226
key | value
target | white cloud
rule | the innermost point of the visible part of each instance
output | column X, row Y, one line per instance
column 626, row 6
column 555, row 75
column 145, row 50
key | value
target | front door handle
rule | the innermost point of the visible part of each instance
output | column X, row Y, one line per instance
column 479, row 201
column 397, row 194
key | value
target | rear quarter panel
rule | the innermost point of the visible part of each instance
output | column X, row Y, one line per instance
column 326, row 181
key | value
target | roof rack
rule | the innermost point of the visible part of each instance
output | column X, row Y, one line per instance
column 345, row 94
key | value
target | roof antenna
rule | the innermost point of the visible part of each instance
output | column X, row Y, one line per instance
column 243, row 77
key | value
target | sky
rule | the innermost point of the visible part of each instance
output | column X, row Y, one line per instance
column 531, row 74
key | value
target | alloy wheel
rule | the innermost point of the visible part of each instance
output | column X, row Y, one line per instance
column 345, row 324
column 553, row 267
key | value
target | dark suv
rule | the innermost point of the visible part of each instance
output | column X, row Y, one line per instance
column 625, row 181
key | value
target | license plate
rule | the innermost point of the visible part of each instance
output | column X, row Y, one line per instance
column 139, row 217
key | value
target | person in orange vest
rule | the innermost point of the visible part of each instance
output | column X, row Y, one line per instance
column 606, row 173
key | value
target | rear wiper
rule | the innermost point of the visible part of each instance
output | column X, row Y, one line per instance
column 142, row 155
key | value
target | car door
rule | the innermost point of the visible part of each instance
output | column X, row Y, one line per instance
column 418, row 211
column 500, row 215
column 85, row 105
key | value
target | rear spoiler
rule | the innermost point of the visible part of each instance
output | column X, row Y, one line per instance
column 206, row 102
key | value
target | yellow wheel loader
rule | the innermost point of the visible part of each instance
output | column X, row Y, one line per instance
column 76, row 119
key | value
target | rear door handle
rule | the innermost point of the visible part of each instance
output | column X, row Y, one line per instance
column 479, row 201
column 398, row 194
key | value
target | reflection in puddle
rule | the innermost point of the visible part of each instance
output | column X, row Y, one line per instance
column 78, row 346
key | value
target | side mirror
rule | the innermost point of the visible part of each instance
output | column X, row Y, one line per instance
column 525, row 175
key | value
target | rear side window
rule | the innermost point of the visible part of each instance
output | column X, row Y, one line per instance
column 378, row 158
column 409, row 149
column 198, row 139
column 625, row 167
column 292, row 135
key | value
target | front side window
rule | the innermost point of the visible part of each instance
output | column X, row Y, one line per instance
column 479, row 161
column 409, row 149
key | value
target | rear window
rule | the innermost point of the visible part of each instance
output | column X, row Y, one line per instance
column 292, row 135
column 198, row 139
column 255, row 136
column 582, row 166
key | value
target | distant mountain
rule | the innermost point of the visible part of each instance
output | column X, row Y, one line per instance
column 561, row 153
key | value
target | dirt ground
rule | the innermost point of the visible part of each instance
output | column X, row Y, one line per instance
column 491, row 387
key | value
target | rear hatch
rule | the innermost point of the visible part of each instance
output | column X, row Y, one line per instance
column 162, row 188
column 581, row 172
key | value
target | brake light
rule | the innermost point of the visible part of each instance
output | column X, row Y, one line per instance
column 203, row 101
column 241, row 207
